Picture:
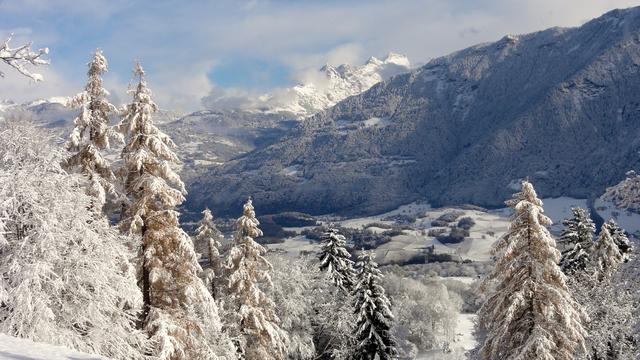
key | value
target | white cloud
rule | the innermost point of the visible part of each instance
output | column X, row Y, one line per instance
column 19, row 88
column 180, row 42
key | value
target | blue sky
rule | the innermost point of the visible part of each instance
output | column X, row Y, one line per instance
column 195, row 48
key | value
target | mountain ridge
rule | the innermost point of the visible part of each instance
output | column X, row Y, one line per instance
column 550, row 106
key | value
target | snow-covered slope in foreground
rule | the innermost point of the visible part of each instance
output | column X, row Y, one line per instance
column 12, row 348
column 333, row 84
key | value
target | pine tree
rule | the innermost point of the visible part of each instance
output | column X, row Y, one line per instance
column 608, row 302
column 335, row 260
column 259, row 335
column 530, row 314
column 66, row 276
column 175, row 299
column 373, row 312
column 606, row 256
column 208, row 237
column 620, row 238
column 91, row 133
column 577, row 238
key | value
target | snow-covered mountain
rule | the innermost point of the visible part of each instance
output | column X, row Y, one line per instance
column 333, row 84
column 559, row 107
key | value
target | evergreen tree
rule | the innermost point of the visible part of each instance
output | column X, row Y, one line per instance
column 91, row 133
column 208, row 237
column 577, row 238
column 66, row 276
column 175, row 299
column 335, row 260
column 620, row 238
column 608, row 302
column 606, row 256
column 373, row 313
column 530, row 313
column 256, row 323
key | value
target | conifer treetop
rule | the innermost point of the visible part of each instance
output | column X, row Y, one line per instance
column 530, row 314
column 335, row 260
column 148, row 155
column 373, row 312
column 620, row 238
column 577, row 237
column 206, row 229
column 606, row 256
column 256, row 322
column 91, row 132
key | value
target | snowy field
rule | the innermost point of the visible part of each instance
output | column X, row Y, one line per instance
column 489, row 225
column 464, row 341
column 12, row 348
column 627, row 220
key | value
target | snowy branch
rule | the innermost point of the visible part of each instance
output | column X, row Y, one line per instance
column 21, row 56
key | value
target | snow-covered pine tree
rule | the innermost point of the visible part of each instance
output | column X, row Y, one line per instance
column 256, row 327
column 66, row 276
column 620, row 238
column 180, row 315
column 91, row 133
column 335, row 260
column 610, row 304
column 294, row 299
column 530, row 314
column 577, row 239
column 606, row 256
column 207, row 239
column 373, row 312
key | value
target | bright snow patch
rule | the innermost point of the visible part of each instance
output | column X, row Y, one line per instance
column 376, row 121
column 12, row 348
column 627, row 220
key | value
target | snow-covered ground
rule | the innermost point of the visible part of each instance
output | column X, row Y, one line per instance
column 464, row 341
column 12, row 348
column 627, row 220
column 489, row 226
column 295, row 245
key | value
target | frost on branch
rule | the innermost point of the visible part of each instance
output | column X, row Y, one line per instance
column 530, row 314
column 66, row 273
column 22, row 56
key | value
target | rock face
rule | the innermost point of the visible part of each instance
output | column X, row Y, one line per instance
column 560, row 107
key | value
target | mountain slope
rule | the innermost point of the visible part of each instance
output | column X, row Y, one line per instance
column 558, row 106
